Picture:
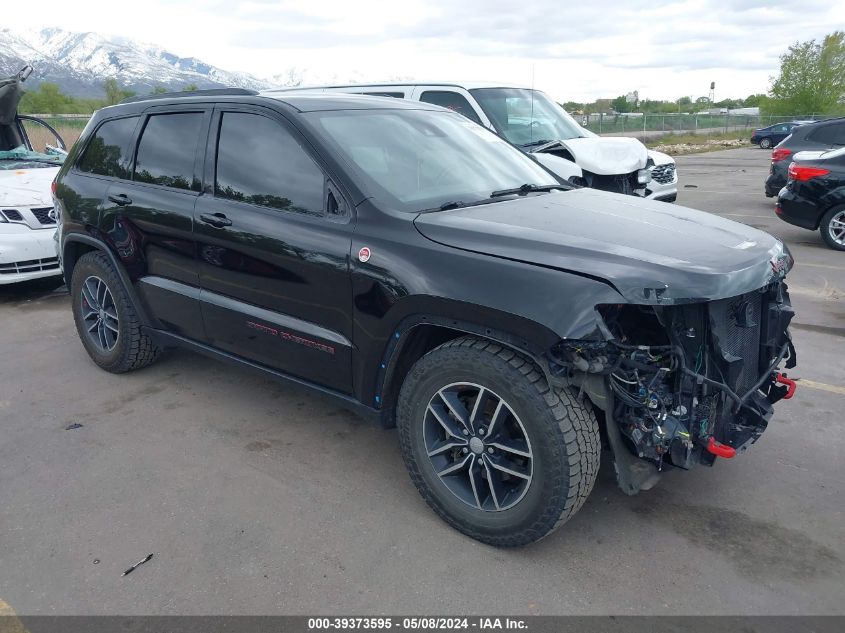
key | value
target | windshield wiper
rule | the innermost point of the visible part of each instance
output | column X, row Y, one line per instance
column 458, row 204
column 535, row 143
column 524, row 189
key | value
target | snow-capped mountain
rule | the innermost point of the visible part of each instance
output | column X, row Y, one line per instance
column 80, row 62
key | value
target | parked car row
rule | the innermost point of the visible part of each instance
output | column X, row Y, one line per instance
column 526, row 118
column 424, row 271
column 807, row 176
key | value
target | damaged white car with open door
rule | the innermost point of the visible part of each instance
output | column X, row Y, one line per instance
column 536, row 124
column 27, row 218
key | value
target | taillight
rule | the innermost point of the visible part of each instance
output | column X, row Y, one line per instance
column 779, row 153
column 803, row 173
column 53, row 187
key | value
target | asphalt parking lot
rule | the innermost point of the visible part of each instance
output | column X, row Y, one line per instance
column 257, row 497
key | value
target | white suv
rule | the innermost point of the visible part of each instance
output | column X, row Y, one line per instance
column 27, row 220
column 532, row 121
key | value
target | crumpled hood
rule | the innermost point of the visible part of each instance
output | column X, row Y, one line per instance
column 607, row 156
column 26, row 187
column 651, row 252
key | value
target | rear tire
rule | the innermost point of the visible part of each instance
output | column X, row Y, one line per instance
column 832, row 228
column 556, row 438
column 765, row 143
column 105, row 317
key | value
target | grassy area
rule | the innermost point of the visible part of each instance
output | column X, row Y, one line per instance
column 677, row 144
column 692, row 139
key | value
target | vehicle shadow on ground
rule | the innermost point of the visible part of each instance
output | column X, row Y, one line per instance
column 35, row 290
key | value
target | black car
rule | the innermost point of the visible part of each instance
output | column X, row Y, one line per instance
column 823, row 135
column 767, row 137
column 426, row 273
column 814, row 196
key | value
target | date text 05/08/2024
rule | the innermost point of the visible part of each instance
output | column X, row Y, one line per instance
column 416, row 623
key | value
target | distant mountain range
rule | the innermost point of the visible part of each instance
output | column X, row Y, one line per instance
column 80, row 62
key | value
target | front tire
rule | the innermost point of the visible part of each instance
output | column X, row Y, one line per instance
column 765, row 143
column 491, row 448
column 105, row 317
column 832, row 228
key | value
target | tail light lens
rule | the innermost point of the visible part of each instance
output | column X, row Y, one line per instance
column 802, row 173
column 779, row 153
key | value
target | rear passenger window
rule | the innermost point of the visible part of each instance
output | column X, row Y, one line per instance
column 833, row 134
column 167, row 150
column 451, row 100
column 395, row 95
column 259, row 162
column 107, row 153
column 838, row 134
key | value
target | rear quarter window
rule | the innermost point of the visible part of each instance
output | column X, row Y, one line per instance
column 167, row 150
column 108, row 152
column 831, row 134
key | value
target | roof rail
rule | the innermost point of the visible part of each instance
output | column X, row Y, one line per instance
column 214, row 92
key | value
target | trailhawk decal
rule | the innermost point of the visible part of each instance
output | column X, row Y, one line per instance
column 293, row 338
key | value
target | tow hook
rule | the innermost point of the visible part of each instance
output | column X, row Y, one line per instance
column 719, row 449
column 790, row 385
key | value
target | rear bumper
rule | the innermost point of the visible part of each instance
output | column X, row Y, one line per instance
column 26, row 254
column 797, row 210
column 775, row 182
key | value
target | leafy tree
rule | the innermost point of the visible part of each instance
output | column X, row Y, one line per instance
column 811, row 78
column 620, row 104
column 114, row 93
column 48, row 99
column 754, row 101
column 190, row 88
column 158, row 90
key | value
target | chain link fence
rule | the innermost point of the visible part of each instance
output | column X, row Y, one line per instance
column 654, row 125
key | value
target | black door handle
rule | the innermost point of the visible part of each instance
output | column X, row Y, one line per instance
column 120, row 199
column 218, row 220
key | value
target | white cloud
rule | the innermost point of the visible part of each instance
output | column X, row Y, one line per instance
column 581, row 52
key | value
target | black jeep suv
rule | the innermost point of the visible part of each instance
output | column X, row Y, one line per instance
column 423, row 271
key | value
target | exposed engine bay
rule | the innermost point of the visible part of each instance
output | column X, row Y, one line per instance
column 684, row 384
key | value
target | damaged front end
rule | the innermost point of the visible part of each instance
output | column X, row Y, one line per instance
column 682, row 384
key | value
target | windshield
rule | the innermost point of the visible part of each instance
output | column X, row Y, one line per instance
column 526, row 117
column 22, row 158
column 415, row 160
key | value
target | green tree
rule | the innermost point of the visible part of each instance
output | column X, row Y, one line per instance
column 48, row 99
column 190, row 88
column 811, row 78
column 620, row 104
column 754, row 101
column 114, row 93
column 158, row 90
